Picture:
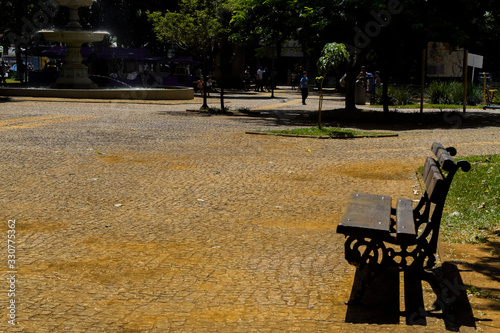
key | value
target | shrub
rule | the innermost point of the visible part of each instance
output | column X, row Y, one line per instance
column 378, row 95
column 398, row 95
column 474, row 94
column 437, row 93
column 455, row 93
column 403, row 95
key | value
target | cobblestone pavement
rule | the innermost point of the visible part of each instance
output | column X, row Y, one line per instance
column 143, row 217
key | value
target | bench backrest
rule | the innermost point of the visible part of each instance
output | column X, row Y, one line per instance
column 438, row 174
column 436, row 183
column 433, row 180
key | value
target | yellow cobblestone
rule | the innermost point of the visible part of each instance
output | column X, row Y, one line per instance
column 138, row 218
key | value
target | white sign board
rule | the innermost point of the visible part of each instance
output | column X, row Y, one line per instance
column 475, row 60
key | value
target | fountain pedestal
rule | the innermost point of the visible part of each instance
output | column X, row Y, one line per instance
column 74, row 74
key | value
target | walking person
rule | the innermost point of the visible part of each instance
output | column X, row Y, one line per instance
column 247, row 79
column 266, row 79
column 304, row 87
column 199, row 85
column 209, row 84
column 260, row 80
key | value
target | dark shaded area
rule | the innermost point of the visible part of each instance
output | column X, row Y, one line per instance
column 372, row 120
column 367, row 120
column 411, row 120
column 414, row 301
column 380, row 302
column 457, row 310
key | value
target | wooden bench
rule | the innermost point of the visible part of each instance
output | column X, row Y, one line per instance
column 379, row 236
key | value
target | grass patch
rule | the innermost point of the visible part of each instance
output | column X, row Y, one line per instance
column 334, row 132
column 473, row 203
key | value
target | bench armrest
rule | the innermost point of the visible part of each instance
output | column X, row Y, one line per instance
column 405, row 223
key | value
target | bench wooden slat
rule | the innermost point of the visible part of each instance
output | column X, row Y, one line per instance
column 433, row 179
column 443, row 157
column 405, row 224
column 367, row 213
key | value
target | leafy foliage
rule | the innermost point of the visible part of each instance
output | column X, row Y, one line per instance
column 195, row 28
column 403, row 95
column 273, row 22
column 332, row 56
column 445, row 93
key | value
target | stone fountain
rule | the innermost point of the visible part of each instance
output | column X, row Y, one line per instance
column 73, row 81
column 74, row 75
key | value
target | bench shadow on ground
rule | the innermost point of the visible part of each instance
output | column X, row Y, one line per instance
column 381, row 301
column 378, row 120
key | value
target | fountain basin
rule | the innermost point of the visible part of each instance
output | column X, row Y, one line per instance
column 76, row 37
column 75, row 3
column 169, row 93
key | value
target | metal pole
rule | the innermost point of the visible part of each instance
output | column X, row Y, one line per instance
column 422, row 81
column 466, row 68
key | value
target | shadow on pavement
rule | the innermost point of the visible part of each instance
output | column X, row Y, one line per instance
column 373, row 120
column 381, row 301
column 412, row 120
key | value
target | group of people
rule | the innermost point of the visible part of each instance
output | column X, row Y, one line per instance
column 262, row 79
column 367, row 81
column 201, row 85
column 22, row 71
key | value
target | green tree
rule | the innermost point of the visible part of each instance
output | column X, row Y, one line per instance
column 333, row 55
column 19, row 22
column 394, row 43
column 195, row 28
column 267, row 25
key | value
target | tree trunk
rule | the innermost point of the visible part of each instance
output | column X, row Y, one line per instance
column 385, row 86
column 21, row 10
column 385, row 95
column 204, row 76
column 350, row 93
column 353, row 69
column 222, row 106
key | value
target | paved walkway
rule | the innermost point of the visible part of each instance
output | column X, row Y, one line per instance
column 134, row 217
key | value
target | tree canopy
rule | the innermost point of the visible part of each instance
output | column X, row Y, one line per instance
column 388, row 33
column 194, row 28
